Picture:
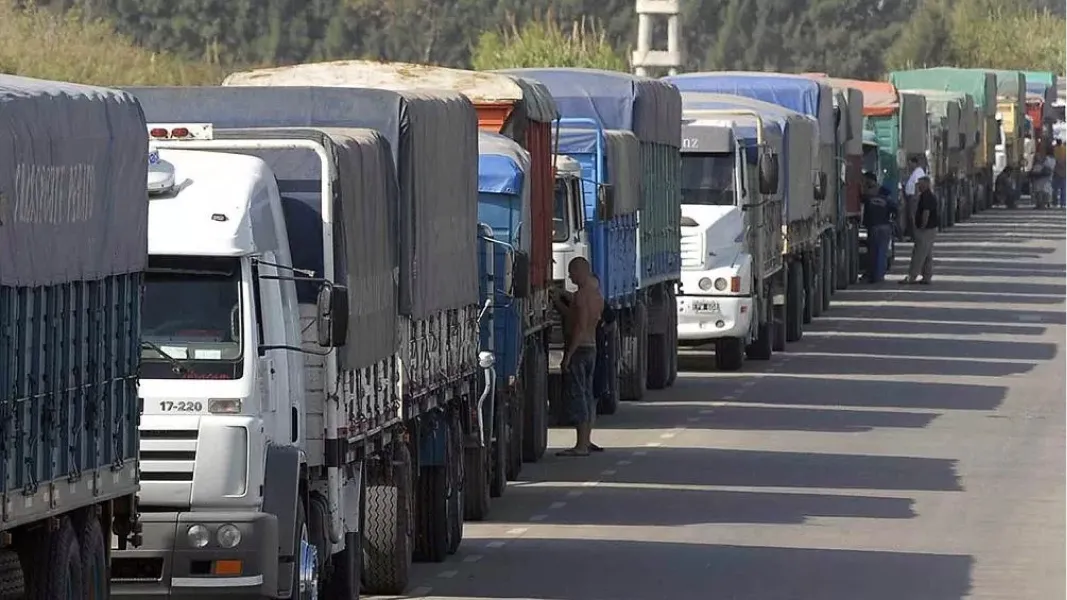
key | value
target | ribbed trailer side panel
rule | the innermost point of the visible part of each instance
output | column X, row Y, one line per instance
column 661, row 173
column 69, row 355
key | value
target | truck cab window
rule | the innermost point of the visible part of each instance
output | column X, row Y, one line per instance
column 708, row 179
column 561, row 231
column 192, row 312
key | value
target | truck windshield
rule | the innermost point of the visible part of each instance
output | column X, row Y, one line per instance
column 560, row 229
column 192, row 313
column 708, row 179
column 870, row 159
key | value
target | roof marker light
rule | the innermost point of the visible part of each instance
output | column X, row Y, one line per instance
column 181, row 131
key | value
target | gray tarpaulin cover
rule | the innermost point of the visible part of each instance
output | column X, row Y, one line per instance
column 73, row 183
column 624, row 169
column 365, row 225
column 434, row 139
column 912, row 123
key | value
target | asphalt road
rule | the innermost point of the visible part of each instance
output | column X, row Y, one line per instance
column 910, row 447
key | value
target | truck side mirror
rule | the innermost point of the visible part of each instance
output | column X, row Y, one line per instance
column 768, row 173
column 332, row 316
column 819, row 185
column 605, row 202
column 520, row 275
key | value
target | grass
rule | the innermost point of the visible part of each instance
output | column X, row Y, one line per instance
column 37, row 42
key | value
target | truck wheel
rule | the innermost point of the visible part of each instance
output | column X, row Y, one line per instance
column 635, row 357
column 498, row 457
column 844, row 259
column 810, row 287
column 475, row 484
column 456, row 484
column 12, row 585
column 608, row 404
column 94, row 557
column 53, row 564
column 729, row 354
column 387, row 528
column 762, row 347
column 672, row 341
column 431, row 514
column 818, row 270
column 794, row 298
column 306, row 573
column 829, row 273
column 516, row 424
column 535, row 424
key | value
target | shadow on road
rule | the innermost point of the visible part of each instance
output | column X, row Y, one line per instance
column 940, row 292
column 640, row 570
column 762, row 468
column 876, row 325
column 947, row 314
column 610, row 505
column 737, row 417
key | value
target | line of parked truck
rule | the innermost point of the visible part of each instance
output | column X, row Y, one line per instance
column 282, row 336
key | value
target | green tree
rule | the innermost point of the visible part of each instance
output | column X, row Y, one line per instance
column 68, row 46
column 545, row 43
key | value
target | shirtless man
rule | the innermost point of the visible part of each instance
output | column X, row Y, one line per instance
column 581, row 313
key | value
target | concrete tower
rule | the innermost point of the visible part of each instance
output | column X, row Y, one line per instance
column 645, row 57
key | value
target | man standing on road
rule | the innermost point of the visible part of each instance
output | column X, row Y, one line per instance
column 1059, row 179
column 878, row 214
column 911, row 195
column 581, row 313
column 926, row 220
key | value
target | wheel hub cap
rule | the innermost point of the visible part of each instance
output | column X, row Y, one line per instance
column 309, row 571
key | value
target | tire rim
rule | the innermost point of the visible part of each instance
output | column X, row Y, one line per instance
column 308, row 579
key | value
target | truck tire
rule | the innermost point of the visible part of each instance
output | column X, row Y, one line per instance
column 672, row 343
column 854, row 253
column 810, row 286
column 729, row 354
column 535, row 430
column 608, row 404
column 794, row 298
column 498, row 454
column 456, row 487
column 307, row 569
column 53, row 564
column 431, row 514
column 475, row 484
column 830, row 268
column 819, row 281
column 387, row 528
column 762, row 347
column 516, row 424
column 94, row 556
column 635, row 358
column 12, row 585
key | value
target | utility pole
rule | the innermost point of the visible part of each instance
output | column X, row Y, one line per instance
column 645, row 57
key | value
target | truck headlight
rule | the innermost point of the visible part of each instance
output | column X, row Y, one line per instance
column 198, row 536
column 229, row 536
column 705, row 283
column 721, row 283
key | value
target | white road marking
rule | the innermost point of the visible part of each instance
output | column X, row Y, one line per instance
column 590, row 483
column 420, row 591
column 496, row 544
column 640, row 453
column 667, row 436
column 538, row 517
column 557, row 505
column 574, row 493
column 623, row 463
column 447, row 574
column 517, row 531
column 653, row 444
column 472, row 558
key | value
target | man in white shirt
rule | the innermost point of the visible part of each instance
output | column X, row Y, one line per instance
column 911, row 197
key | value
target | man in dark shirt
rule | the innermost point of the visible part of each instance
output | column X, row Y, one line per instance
column 878, row 214
column 926, row 220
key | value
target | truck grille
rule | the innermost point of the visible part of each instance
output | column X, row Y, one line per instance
column 692, row 251
column 168, row 457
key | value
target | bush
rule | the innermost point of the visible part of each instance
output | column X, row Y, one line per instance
column 36, row 42
column 545, row 43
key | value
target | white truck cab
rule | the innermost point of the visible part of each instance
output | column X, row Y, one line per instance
column 716, row 299
column 225, row 400
column 569, row 239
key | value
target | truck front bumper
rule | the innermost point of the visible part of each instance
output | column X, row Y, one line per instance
column 168, row 566
column 706, row 318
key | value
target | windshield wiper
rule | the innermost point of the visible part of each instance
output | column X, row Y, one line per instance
column 179, row 367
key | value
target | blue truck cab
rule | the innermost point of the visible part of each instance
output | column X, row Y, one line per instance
column 624, row 132
column 503, row 206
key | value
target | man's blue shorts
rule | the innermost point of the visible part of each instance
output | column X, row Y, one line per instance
column 578, row 386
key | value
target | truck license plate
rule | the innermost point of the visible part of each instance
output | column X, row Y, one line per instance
column 709, row 307
column 555, row 357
